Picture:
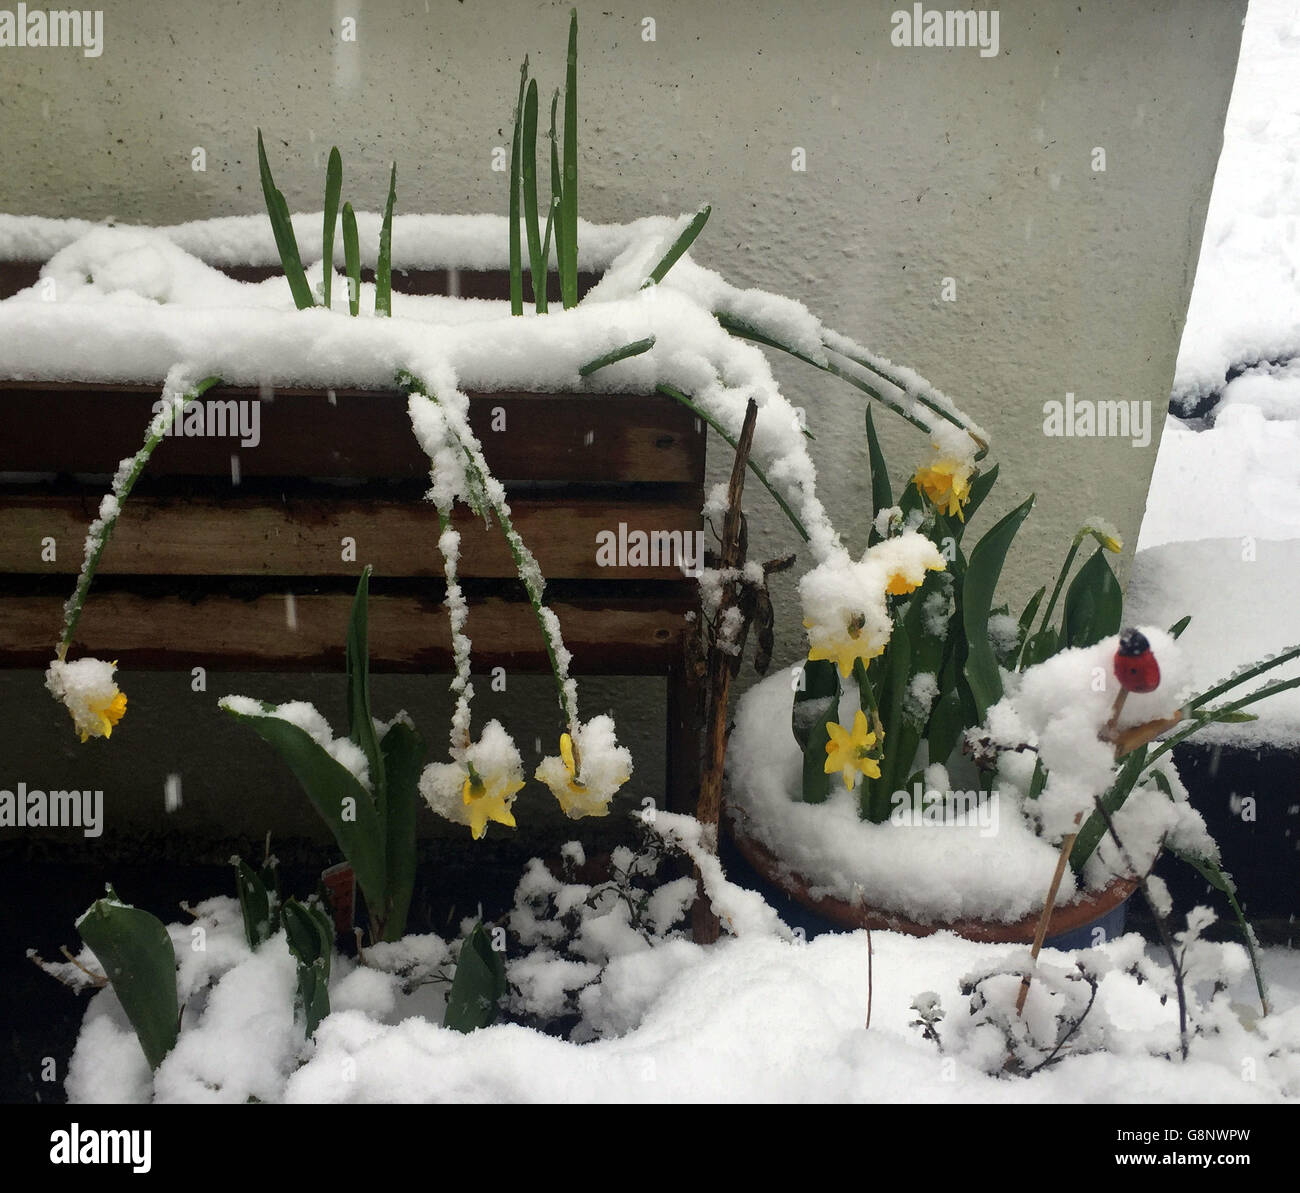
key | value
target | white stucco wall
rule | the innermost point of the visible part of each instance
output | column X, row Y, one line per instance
column 922, row 164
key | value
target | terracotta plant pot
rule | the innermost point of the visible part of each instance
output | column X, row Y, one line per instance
column 1072, row 924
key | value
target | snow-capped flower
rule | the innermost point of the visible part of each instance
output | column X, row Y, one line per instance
column 846, row 611
column 852, row 751
column 844, row 649
column 479, row 787
column 906, row 560
column 87, row 689
column 946, row 482
column 591, row 767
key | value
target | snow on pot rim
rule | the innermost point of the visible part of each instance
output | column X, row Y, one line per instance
column 932, row 874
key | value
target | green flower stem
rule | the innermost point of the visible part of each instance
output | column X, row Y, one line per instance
column 158, row 428
column 1060, row 580
column 699, row 412
column 460, row 649
column 866, row 689
column 525, row 564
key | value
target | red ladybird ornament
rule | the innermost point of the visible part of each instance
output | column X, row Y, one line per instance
column 1135, row 666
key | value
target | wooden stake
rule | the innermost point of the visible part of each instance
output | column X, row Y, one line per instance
column 1040, row 933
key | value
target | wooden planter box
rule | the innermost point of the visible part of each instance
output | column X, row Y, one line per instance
column 232, row 557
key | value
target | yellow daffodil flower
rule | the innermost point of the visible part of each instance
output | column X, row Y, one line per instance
column 86, row 689
column 1106, row 536
column 846, row 650
column 850, row 751
column 946, row 482
column 479, row 785
column 604, row 767
column 489, row 800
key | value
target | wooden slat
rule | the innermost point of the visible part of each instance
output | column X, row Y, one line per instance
column 407, row 633
column 46, row 427
column 467, row 283
column 302, row 536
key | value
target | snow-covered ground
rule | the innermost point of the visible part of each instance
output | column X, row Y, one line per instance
column 761, row 1016
column 1221, row 536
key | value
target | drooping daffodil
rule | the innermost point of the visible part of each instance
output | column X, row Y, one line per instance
column 1105, row 534
column 481, row 786
column 851, row 751
column 945, row 481
column 86, row 688
column 589, row 770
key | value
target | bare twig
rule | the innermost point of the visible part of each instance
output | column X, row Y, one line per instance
column 1074, row 1026
column 1162, row 926
column 704, row 921
column 870, row 981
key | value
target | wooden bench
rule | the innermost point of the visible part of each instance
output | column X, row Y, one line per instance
column 233, row 557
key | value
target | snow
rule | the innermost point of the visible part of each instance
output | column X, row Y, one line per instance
column 1221, row 536
column 845, row 601
column 86, row 687
column 424, row 241
column 496, row 760
column 1244, row 306
column 157, row 299
column 755, row 1018
column 305, row 716
column 602, row 767
column 1228, row 627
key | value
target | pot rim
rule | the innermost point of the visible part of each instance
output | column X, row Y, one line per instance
column 1066, row 917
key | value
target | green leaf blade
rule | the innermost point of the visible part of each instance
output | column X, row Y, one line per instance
column 1094, row 603
column 384, row 262
column 569, row 271
column 333, row 187
column 516, row 150
column 338, row 797
column 882, row 497
column 678, row 247
column 816, row 706
column 404, row 752
column 978, row 587
column 352, row 259
column 537, row 258
column 479, row 984
column 140, row 962
column 282, row 228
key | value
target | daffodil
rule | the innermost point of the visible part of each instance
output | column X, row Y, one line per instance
column 946, row 482
column 850, row 751
column 480, row 786
column 846, row 649
column 905, row 559
column 489, row 799
column 1105, row 534
column 87, row 690
column 591, row 767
